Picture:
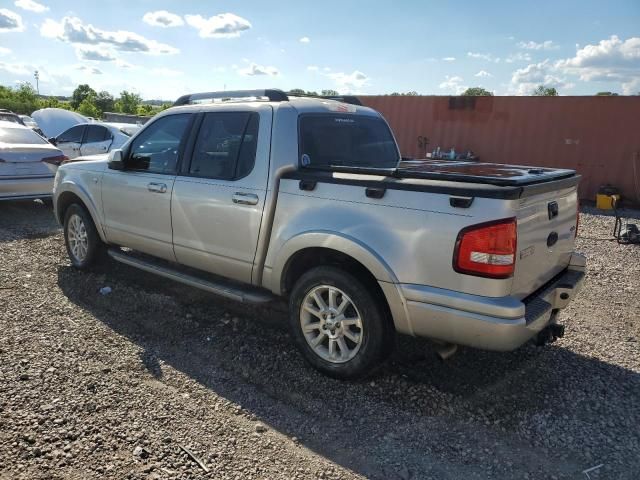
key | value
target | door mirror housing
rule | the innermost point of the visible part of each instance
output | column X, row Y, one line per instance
column 53, row 141
column 116, row 160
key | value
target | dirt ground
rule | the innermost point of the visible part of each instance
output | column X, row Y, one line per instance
column 117, row 386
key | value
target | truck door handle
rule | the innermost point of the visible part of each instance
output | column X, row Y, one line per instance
column 157, row 187
column 245, row 198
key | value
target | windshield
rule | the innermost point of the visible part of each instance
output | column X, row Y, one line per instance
column 20, row 136
column 331, row 140
column 9, row 117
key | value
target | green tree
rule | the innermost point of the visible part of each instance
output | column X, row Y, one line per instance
column 297, row 91
column 144, row 110
column 542, row 91
column 88, row 108
column 477, row 92
column 80, row 93
column 606, row 94
column 128, row 102
column 26, row 93
column 104, row 101
column 412, row 93
column 329, row 93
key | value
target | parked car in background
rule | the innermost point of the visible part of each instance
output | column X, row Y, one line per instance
column 7, row 116
column 54, row 121
column 27, row 121
column 27, row 163
column 309, row 199
column 90, row 139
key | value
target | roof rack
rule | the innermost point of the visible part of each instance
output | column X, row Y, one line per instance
column 351, row 99
column 273, row 95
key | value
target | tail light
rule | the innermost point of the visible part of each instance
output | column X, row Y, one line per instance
column 487, row 249
column 56, row 160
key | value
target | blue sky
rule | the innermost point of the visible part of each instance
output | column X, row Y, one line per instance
column 162, row 49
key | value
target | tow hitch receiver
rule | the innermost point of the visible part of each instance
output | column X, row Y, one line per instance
column 550, row 334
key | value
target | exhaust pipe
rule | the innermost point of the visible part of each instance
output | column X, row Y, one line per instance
column 445, row 350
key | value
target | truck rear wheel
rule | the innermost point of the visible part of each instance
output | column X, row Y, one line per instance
column 341, row 328
column 81, row 237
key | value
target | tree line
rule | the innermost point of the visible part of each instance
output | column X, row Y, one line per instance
column 85, row 100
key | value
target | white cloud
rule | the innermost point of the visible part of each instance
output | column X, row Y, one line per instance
column 254, row 69
column 162, row 18
column 518, row 57
column 31, row 6
column 16, row 68
column 89, row 69
column 4, row 51
column 453, row 84
column 610, row 60
column 483, row 73
column 531, row 45
column 73, row 30
column 483, row 56
column 313, row 68
column 10, row 21
column 96, row 54
column 224, row 25
column 166, row 72
column 525, row 80
column 349, row 82
column 449, row 59
column 305, row 40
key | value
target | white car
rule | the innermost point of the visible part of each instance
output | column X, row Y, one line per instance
column 90, row 139
column 27, row 163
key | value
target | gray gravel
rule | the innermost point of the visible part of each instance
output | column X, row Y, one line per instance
column 113, row 386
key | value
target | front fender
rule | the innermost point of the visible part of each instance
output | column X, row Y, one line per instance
column 71, row 186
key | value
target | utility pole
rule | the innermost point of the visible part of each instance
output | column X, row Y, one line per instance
column 36, row 75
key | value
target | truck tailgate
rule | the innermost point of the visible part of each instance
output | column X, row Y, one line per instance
column 546, row 238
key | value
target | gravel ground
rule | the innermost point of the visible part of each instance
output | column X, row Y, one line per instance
column 114, row 386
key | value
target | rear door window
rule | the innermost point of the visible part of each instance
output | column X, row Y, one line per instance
column 74, row 134
column 96, row 133
column 347, row 141
column 226, row 146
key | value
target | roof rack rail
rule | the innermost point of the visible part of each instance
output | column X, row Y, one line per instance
column 274, row 95
column 351, row 99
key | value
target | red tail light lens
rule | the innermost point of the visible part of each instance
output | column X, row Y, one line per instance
column 57, row 160
column 487, row 249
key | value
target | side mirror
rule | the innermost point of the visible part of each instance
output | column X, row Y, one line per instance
column 116, row 161
column 53, row 141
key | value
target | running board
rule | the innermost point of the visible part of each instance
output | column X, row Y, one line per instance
column 232, row 291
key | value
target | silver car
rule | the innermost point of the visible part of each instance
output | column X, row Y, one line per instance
column 27, row 163
column 91, row 139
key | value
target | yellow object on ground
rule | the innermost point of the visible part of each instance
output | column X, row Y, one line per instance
column 605, row 202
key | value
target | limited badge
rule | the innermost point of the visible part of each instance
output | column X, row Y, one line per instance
column 527, row 251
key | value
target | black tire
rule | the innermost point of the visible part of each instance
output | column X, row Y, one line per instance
column 95, row 247
column 377, row 333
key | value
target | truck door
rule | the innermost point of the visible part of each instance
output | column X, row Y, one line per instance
column 137, row 200
column 219, row 194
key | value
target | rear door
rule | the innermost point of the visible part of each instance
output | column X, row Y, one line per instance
column 546, row 238
column 219, row 195
column 137, row 200
column 70, row 140
column 97, row 139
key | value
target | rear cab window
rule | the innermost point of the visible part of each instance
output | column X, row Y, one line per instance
column 342, row 140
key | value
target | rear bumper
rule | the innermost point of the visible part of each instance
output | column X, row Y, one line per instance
column 37, row 186
column 500, row 324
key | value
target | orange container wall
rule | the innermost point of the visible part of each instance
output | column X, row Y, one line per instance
column 597, row 136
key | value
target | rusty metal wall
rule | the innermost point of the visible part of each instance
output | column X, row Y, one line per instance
column 597, row 136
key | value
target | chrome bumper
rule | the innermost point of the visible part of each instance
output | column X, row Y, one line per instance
column 500, row 324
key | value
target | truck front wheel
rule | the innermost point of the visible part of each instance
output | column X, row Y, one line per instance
column 340, row 326
column 81, row 237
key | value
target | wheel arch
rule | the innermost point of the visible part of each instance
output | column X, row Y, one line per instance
column 71, row 194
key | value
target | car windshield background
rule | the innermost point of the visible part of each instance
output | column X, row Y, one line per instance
column 226, row 146
column 20, row 136
column 96, row 133
column 156, row 149
column 73, row 135
column 347, row 141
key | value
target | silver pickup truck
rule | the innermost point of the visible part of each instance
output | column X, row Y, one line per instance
column 255, row 195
